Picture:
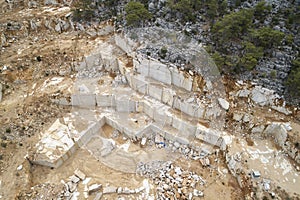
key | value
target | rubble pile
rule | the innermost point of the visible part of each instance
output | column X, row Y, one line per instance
column 189, row 151
column 171, row 182
column 71, row 189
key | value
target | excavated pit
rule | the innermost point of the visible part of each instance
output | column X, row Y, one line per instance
column 148, row 98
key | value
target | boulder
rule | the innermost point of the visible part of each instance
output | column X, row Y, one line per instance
column 278, row 131
column 258, row 129
column 262, row 96
column 243, row 93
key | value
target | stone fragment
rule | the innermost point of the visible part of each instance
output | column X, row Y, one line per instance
column 138, row 190
column 79, row 174
column 20, row 167
column 119, row 190
column 94, row 188
column 98, row 196
column 74, row 179
column 71, row 186
column 178, row 171
column 246, row 118
column 176, row 144
column 143, row 142
column 237, row 116
column 109, row 190
column 258, row 129
column 243, row 93
column 282, row 109
column 158, row 139
column 198, row 193
column 126, row 190
column 266, row 184
column 255, row 174
column 108, row 145
column 223, row 103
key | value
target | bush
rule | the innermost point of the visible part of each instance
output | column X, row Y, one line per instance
column 250, row 56
column 136, row 13
column 293, row 81
column 8, row 130
column 261, row 10
column 163, row 52
column 83, row 10
column 223, row 7
column 232, row 26
column 267, row 37
column 187, row 8
column 219, row 60
column 212, row 9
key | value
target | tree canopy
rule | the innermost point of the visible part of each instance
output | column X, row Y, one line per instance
column 136, row 13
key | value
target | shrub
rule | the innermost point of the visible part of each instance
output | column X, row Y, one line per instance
column 187, row 8
column 163, row 52
column 83, row 10
column 218, row 59
column 136, row 13
column 8, row 130
column 293, row 81
column 250, row 56
column 261, row 10
column 273, row 74
column 267, row 37
column 232, row 25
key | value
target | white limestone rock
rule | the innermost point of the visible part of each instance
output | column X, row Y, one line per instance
column 109, row 190
column 74, row 179
column 94, row 188
column 237, row 116
column 79, row 174
column 282, row 109
column 278, row 131
column 258, row 129
column 263, row 96
column 98, row 196
column 243, row 93
column 223, row 103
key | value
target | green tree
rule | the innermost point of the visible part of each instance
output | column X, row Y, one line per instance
column 293, row 81
column 261, row 10
column 250, row 56
column 212, row 9
column 223, row 7
column 184, row 7
column 232, row 26
column 83, row 10
column 267, row 37
column 219, row 60
column 136, row 13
